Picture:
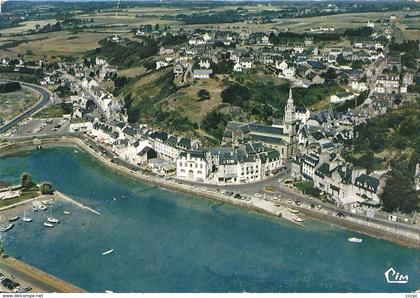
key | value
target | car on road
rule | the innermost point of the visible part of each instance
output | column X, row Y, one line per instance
column 341, row 214
column 298, row 203
column 289, row 201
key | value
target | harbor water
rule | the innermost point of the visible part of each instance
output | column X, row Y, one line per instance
column 165, row 241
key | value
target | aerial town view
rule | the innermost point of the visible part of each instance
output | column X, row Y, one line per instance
column 210, row 147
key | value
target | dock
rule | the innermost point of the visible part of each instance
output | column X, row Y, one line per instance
column 280, row 210
column 67, row 198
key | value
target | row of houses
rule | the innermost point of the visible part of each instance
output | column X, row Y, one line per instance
column 346, row 185
column 244, row 164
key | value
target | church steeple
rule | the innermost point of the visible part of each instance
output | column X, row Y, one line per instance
column 289, row 112
column 290, row 100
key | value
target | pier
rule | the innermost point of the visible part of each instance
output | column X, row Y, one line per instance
column 67, row 198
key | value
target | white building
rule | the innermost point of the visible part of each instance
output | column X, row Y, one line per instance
column 194, row 165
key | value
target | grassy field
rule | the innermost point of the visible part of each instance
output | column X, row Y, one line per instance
column 14, row 103
column 132, row 72
column 299, row 25
column 123, row 21
column 189, row 104
column 25, row 26
column 62, row 43
column 28, row 194
column 54, row 111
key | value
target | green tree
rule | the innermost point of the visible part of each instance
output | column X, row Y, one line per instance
column 203, row 94
column 46, row 188
column 26, row 180
column 236, row 94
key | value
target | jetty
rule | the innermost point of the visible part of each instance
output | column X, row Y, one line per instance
column 73, row 201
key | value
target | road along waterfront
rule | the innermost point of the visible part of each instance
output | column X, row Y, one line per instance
column 405, row 235
column 165, row 241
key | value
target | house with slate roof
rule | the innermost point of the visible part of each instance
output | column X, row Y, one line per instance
column 194, row 165
column 169, row 147
column 247, row 163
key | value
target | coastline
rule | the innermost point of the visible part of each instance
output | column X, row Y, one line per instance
column 212, row 194
column 41, row 280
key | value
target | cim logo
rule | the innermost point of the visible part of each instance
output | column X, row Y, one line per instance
column 394, row 277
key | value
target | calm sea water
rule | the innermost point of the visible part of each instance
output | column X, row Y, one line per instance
column 170, row 242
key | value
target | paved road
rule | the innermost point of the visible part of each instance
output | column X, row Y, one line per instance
column 46, row 96
column 289, row 195
column 27, row 279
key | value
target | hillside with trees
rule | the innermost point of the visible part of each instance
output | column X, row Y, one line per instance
column 391, row 141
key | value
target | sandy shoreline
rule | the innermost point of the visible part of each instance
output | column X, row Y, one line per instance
column 209, row 193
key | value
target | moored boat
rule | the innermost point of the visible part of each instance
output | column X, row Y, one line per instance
column 53, row 220
column 291, row 210
column 66, row 212
column 48, row 225
column 108, row 252
column 14, row 218
column 25, row 218
column 42, row 207
column 6, row 228
column 356, row 240
column 45, row 202
column 34, row 209
column 298, row 219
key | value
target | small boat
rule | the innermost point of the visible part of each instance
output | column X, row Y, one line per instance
column 277, row 204
column 6, row 228
column 42, row 207
column 356, row 240
column 298, row 219
column 34, row 209
column 46, row 202
column 14, row 218
column 48, row 225
column 293, row 210
column 108, row 252
column 76, row 151
column 66, row 212
column 53, row 220
column 108, row 291
column 25, row 218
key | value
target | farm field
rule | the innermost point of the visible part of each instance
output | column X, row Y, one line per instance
column 14, row 103
column 56, row 44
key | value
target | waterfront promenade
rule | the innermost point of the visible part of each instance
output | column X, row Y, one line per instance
column 38, row 280
column 398, row 233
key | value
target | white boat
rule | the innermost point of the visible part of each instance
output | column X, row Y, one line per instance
column 293, row 210
column 14, row 218
column 76, row 151
column 53, row 220
column 46, row 202
column 298, row 219
column 48, row 225
column 34, row 209
column 42, row 207
column 25, row 218
column 108, row 252
column 356, row 240
column 108, row 291
column 6, row 228
column 66, row 212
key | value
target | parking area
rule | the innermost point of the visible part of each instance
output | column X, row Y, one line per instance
column 40, row 127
